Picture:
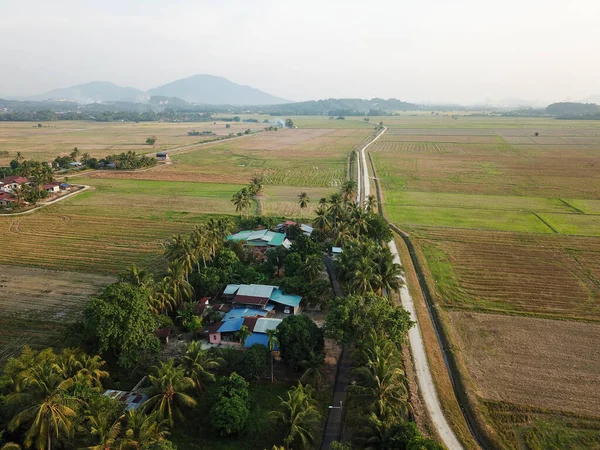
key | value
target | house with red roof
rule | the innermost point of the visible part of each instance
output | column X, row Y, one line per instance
column 7, row 200
column 9, row 184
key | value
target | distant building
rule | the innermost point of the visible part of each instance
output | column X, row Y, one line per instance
column 261, row 238
column 7, row 199
column 9, row 184
column 163, row 156
column 51, row 188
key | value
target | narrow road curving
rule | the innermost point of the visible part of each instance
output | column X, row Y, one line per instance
column 417, row 345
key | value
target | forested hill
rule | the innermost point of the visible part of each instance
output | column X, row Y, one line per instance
column 569, row 109
column 343, row 107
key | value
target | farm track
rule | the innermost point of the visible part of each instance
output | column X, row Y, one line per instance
column 417, row 345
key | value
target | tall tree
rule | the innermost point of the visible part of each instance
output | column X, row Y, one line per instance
column 167, row 392
column 143, row 429
column 198, row 365
column 49, row 408
column 102, row 431
column 243, row 334
column 299, row 414
column 303, row 200
column 272, row 343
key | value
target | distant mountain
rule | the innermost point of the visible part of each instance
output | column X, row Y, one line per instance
column 212, row 90
column 95, row 91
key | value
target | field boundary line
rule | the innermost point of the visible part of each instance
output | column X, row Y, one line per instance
column 545, row 222
column 43, row 205
column 571, row 206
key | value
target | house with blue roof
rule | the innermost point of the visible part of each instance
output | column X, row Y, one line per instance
column 263, row 297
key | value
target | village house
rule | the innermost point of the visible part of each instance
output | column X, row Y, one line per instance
column 283, row 227
column 7, row 200
column 263, row 297
column 9, row 184
column 261, row 238
column 51, row 188
column 226, row 331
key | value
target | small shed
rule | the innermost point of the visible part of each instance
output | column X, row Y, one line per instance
column 163, row 156
column 336, row 251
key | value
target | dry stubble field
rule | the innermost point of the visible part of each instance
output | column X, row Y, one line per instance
column 509, row 227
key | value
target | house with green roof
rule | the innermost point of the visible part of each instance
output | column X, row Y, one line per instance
column 261, row 238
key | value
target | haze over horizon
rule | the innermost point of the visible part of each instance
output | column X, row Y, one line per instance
column 464, row 52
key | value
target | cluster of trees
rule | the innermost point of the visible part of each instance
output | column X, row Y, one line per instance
column 342, row 107
column 124, row 161
column 54, row 400
column 38, row 173
column 571, row 109
column 200, row 133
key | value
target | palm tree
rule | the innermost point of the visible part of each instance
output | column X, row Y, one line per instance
column 323, row 201
column 137, row 277
column 382, row 384
column 9, row 445
column 91, row 372
column 348, row 190
column 365, row 276
column 299, row 415
column 103, row 431
column 49, row 409
column 167, row 392
column 238, row 201
column 303, row 200
column 389, row 271
column 75, row 154
column 336, row 209
column 143, row 429
column 85, row 158
column 312, row 267
column 371, row 203
column 243, row 334
column 322, row 219
column 198, row 363
column 256, row 185
column 313, row 369
column 19, row 157
column 179, row 287
column 272, row 343
column 246, row 200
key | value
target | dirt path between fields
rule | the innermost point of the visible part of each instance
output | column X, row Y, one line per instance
column 417, row 345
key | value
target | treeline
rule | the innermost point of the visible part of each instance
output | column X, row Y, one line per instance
column 570, row 109
column 343, row 107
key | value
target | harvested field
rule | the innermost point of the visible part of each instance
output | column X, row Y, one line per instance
column 557, row 363
column 283, row 201
column 545, row 275
column 102, row 138
column 287, row 157
column 37, row 303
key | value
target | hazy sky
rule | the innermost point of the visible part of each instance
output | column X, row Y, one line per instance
column 426, row 50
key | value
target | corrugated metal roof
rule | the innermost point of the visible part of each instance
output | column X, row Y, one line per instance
column 336, row 250
column 255, row 290
column 258, row 338
column 231, row 325
column 231, row 289
column 236, row 313
column 289, row 300
column 262, row 325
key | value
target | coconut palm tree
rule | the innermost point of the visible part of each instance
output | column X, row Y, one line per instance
column 313, row 370
column 371, row 203
column 389, row 271
column 303, row 200
column 272, row 343
column 364, row 276
column 179, row 287
column 323, row 201
column 312, row 267
column 382, row 384
column 75, row 154
column 167, row 392
column 243, row 334
column 143, row 429
column 322, row 220
column 239, row 202
column 8, row 445
column 349, row 190
column 256, row 185
column 49, row 411
column 137, row 277
column 198, row 363
column 336, row 208
column 103, row 432
column 299, row 415
column 91, row 372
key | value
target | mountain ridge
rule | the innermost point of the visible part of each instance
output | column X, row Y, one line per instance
column 197, row 89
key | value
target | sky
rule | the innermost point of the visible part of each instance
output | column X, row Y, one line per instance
column 460, row 51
